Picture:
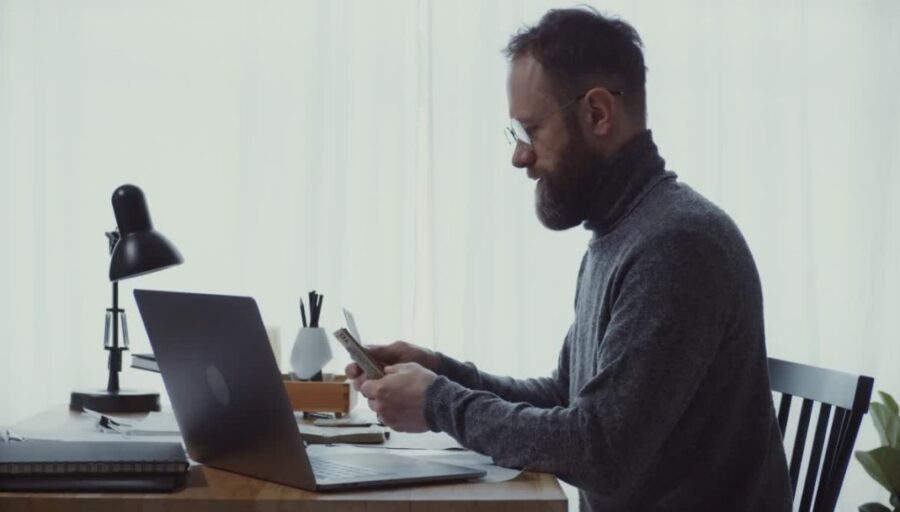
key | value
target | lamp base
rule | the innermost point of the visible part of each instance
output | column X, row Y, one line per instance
column 124, row 400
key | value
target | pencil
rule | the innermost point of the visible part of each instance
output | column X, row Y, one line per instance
column 303, row 312
column 319, row 309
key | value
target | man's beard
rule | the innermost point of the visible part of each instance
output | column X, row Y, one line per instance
column 563, row 197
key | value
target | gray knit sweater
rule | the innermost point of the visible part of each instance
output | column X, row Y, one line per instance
column 661, row 398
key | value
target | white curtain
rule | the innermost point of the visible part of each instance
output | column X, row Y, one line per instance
column 356, row 148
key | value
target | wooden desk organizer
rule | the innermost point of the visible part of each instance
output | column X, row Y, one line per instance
column 336, row 395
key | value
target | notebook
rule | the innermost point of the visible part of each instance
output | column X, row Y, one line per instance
column 91, row 466
column 313, row 434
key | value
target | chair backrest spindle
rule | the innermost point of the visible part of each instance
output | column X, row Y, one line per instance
column 815, row 456
column 800, row 443
column 783, row 411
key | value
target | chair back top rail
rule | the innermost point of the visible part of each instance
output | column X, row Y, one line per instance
column 819, row 384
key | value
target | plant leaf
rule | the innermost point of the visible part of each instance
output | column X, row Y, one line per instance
column 873, row 507
column 883, row 465
column 887, row 423
column 890, row 402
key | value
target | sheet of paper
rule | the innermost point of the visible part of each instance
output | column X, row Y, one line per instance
column 458, row 458
column 159, row 427
column 423, row 441
column 153, row 424
column 474, row 460
column 401, row 440
column 94, row 435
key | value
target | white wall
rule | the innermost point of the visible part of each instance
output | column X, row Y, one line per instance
column 356, row 148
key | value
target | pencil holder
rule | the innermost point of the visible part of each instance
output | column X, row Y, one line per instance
column 311, row 352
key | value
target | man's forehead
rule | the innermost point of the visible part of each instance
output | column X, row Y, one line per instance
column 528, row 90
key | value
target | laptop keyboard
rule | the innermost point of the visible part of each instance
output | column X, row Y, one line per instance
column 328, row 470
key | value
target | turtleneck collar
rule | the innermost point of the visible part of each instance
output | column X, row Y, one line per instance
column 627, row 177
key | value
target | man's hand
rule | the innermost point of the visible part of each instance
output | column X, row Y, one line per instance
column 399, row 397
column 397, row 352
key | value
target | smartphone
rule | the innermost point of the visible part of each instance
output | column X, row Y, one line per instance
column 360, row 356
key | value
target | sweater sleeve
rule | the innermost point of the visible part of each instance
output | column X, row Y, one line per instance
column 540, row 392
column 668, row 307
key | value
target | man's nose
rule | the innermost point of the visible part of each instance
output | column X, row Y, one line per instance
column 523, row 155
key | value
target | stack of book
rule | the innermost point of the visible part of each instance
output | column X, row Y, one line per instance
column 84, row 466
column 144, row 362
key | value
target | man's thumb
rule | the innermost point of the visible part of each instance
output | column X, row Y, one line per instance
column 395, row 368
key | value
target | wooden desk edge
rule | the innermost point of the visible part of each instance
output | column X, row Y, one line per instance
column 216, row 490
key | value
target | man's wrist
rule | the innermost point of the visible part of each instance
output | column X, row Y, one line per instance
column 436, row 402
column 433, row 361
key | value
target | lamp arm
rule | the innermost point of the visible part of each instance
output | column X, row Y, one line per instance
column 115, row 352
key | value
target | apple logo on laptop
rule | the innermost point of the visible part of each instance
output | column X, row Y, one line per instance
column 217, row 384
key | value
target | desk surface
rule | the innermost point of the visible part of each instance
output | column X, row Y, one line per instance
column 212, row 489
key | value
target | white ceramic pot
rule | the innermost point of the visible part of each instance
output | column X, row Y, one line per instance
column 311, row 351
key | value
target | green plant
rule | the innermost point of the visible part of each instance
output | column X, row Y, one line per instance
column 883, row 464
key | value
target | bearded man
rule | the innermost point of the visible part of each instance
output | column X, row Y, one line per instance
column 661, row 397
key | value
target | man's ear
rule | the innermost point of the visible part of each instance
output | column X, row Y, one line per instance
column 601, row 111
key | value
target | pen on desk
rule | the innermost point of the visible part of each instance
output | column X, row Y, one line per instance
column 317, row 415
column 303, row 312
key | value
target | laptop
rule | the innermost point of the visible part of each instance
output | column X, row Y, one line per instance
column 231, row 405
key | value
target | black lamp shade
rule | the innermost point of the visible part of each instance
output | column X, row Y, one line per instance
column 140, row 249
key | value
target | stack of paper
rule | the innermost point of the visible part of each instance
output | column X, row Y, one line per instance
column 154, row 424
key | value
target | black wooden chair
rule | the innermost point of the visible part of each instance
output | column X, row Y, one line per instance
column 848, row 396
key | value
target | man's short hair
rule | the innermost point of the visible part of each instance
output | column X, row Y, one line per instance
column 580, row 48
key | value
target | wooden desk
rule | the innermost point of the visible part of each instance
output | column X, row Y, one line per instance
column 215, row 490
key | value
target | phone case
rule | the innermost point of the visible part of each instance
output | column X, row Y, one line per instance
column 359, row 354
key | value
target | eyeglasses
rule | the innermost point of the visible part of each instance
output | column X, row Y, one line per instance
column 516, row 132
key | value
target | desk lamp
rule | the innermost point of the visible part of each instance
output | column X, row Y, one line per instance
column 136, row 249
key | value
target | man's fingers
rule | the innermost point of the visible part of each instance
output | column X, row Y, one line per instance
column 355, row 375
column 383, row 353
column 399, row 367
column 352, row 371
column 358, row 382
column 396, row 352
column 368, row 389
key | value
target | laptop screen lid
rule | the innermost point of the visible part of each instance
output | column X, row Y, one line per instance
column 224, row 384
